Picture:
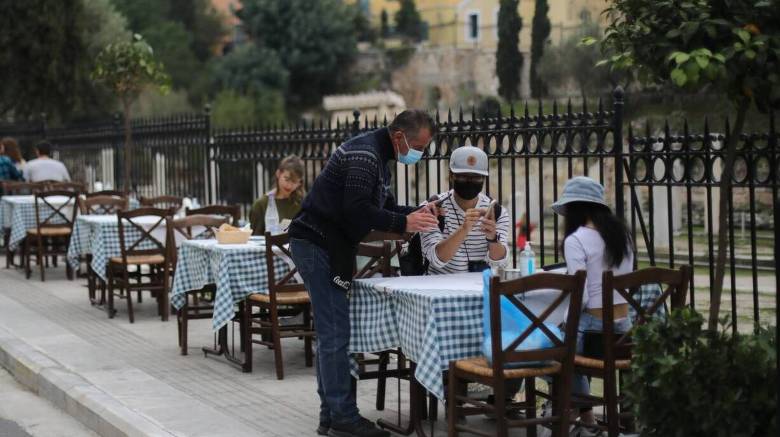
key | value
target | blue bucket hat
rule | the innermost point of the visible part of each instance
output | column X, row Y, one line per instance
column 580, row 189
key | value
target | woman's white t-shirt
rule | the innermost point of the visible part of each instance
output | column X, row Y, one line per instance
column 585, row 250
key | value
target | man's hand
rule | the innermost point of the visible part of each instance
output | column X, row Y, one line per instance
column 421, row 221
column 432, row 208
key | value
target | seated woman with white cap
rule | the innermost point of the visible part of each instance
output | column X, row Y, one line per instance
column 471, row 238
column 595, row 240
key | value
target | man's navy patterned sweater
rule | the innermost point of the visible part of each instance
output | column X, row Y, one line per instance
column 352, row 194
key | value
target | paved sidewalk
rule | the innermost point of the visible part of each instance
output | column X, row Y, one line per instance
column 23, row 414
column 139, row 369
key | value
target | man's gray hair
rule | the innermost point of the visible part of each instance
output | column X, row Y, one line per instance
column 411, row 121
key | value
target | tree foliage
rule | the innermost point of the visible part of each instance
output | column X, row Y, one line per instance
column 314, row 40
column 572, row 64
column 45, row 66
column 540, row 32
column 509, row 60
column 127, row 68
column 408, row 22
column 730, row 45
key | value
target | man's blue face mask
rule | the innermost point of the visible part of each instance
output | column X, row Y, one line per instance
column 411, row 157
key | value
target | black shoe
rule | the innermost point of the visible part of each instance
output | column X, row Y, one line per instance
column 362, row 428
column 323, row 428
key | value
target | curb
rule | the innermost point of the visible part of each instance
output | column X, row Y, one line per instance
column 94, row 408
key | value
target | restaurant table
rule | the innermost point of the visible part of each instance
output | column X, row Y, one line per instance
column 98, row 235
column 18, row 214
column 238, row 270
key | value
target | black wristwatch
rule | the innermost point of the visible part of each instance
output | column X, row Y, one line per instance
column 494, row 240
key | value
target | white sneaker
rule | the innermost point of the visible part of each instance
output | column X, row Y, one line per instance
column 583, row 431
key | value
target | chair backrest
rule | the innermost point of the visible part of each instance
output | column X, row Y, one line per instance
column 76, row 187
column 379, row 248
column 570, row 286
column 628, row 286
column 11, row 188
column 184, row 227
column 136, row 238
column 102, row 205
column 171, row 203
column 112, row 193
column 232, row 212
column 277, row 247
column 49, row 212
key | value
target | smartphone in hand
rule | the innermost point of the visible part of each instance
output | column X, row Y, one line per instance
column 494, row 210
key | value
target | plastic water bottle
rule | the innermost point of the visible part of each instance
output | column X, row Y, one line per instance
column 271, row 215
column 527, row 260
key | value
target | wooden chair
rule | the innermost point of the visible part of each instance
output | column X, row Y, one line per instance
column 102, row 205
column 171, row 203
column 12, row 188
column 379, row 250
column 53, row 228
column 112, row 193
column 282, row 292
column 78, row 187
column 233, row 212
column 201, row 308
column 99, row 205
column 618, row 346
column 556, row 362
column 145, row 250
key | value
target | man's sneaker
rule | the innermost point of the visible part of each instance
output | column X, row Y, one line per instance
column 323, row 428
column 362, row 428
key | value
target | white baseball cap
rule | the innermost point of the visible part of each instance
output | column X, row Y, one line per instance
column 469, row 159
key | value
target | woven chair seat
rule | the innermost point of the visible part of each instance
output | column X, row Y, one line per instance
column 139, row 259
column 59, row 231
column 480, row 366
column 293, row 298
column 595, row 363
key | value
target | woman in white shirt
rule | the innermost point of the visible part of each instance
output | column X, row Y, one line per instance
column 595, row 240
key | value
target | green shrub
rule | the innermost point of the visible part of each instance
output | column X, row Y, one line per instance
column 687, row 382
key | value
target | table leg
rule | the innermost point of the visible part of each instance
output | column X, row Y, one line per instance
column 417, row 399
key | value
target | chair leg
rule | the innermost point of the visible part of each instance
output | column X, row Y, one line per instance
column 500, row 411
column 110, row 286
column 276, row 336
column 129, row 298
column 41, row 258
column 561, row 395
column 183, row 326
column 452, row 403
column 245, row 328
column 308, row 352
column 530, row 398
column 26, row 258
column 610, row 399
column 381, row 380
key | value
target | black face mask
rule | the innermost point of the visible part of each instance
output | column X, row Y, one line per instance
column 467, row 190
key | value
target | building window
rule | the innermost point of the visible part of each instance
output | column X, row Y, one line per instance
column 472, row 27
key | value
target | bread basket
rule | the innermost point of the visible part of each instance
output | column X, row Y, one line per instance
column 234, row 236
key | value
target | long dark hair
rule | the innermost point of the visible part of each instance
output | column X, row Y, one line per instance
column 612, row 229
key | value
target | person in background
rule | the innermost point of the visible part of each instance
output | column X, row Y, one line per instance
column 471, row 239
column 521, row 226
column 8, row 171
column 595, row 240
column 11, row 149
column 288, row 194
column 349, row 199
column 45, row 168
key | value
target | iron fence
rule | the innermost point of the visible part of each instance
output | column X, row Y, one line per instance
column 669, row 179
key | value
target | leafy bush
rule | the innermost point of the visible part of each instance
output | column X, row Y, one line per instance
column 689, row 382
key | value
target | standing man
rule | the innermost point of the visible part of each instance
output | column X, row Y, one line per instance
column 348, row 199
column 44, row 168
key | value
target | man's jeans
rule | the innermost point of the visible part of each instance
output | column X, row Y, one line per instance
column 580, row 383
column 331, row 322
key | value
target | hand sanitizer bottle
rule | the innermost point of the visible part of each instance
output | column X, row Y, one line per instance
column 271, row 215
column 527, row 260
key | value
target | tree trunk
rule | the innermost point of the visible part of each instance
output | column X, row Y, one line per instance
column 725, row 194
column 128, row 148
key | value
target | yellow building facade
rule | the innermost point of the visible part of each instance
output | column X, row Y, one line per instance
column 474, row 23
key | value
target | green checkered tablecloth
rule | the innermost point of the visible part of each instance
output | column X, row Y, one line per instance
column 238, row 270
column 433, row 319
column 99, row 236
column 18, row 213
